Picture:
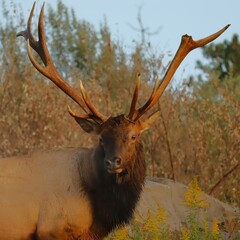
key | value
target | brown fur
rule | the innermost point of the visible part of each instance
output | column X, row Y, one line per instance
column 113, row 204
column 69, row 194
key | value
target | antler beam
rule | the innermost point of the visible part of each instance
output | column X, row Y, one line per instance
column 50, row 71
column 187, row 45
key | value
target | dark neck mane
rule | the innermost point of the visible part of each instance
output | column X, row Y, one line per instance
column 114, row 204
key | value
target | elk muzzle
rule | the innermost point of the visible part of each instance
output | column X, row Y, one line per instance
column 113, row 165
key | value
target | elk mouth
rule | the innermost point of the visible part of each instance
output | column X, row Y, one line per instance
column 121, row 174
column 122, row 177
column 114, row 170
column 118, row 171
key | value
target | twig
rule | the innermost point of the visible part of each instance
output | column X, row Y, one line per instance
column 168, row 143
column 222, row 178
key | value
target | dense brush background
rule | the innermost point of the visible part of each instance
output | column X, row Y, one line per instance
column 198, row 132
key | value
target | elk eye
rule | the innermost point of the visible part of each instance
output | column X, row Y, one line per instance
column 134, row 137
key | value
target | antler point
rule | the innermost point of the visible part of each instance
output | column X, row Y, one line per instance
column 70, row 111
column 81, row 86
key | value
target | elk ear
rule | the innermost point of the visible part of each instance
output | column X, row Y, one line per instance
column 87, row 125
column 145, row 123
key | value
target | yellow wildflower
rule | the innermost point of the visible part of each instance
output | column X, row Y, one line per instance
column 121, row 233
column 194, row 196
column 215, row 230
column 150, row 225
column 161, row 216
column 185, row 234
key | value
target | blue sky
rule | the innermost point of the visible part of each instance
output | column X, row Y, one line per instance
column 196, row 18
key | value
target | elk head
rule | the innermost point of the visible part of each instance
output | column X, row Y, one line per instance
column 119, row 135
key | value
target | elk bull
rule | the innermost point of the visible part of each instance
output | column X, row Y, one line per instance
column 81, row 193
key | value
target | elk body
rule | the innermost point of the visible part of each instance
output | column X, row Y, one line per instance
column 73, row 194
column 81, row 193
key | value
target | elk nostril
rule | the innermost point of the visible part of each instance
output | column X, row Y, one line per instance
column 108, row 163
column 117, row 161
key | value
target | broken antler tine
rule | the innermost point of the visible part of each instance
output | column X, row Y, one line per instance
column 135, row 98
column 23, row 34
column 27, row 34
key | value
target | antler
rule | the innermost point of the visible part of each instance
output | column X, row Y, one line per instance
column 187, row 44
column 51, row 72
